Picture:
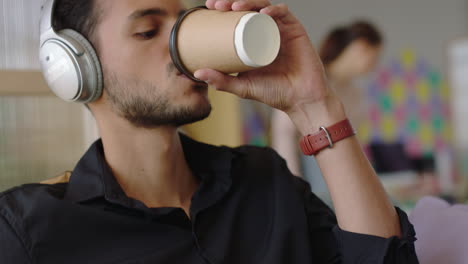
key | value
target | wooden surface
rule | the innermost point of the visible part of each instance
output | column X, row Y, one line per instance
column 23, row 83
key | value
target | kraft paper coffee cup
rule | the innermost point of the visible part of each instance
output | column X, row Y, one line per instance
column 229, row 42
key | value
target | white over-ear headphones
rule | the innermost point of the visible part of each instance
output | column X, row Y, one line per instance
column 69, row 62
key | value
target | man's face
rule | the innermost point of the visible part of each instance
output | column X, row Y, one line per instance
column 140, row 80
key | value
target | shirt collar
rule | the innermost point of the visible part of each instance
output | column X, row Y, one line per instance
column 92, row 177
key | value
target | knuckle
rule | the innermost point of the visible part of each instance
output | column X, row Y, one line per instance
column 283, row 6
column 245, row 94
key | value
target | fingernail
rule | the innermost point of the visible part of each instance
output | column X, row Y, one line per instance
column 199, row 77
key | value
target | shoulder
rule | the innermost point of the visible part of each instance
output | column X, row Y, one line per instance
column 262, row 164
column 25, row 206
column 262, row 158
column 259, row 153
column 266, row 162
column 21, row 208
column 53, row 186
column 17, row 201
column 33, row 190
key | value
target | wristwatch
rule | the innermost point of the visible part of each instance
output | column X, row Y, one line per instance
column 326, row 137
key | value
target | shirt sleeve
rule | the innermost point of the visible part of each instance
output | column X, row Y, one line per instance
column 11, row 247
column 334, row 245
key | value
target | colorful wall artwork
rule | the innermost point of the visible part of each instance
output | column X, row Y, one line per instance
column 255, row 123
column 409, row 103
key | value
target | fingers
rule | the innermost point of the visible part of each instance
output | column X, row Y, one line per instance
column 210, row 4
column 237, row 5
column 246, row 5
column 280, row 12
column 222, row 5
column 214, row 78
column 275, row 10
column 222, row 82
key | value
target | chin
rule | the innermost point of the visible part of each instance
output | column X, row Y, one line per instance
column 194, row 115
column 203, row 104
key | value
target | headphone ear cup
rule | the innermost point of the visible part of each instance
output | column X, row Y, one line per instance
column 89, row 66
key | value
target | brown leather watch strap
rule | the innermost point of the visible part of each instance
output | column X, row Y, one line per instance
column 326, row 137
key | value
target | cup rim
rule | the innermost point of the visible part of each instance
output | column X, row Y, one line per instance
column 173, row 41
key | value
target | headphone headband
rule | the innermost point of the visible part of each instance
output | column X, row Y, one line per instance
column 47, row 11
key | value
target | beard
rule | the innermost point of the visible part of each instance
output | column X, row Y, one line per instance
column 137, row 101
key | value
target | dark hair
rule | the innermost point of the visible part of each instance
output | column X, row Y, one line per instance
column 339, row 39
column 79, row 15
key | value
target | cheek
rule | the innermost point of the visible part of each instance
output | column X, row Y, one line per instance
column 147, row 60
column 145, row 63
column 366, row 63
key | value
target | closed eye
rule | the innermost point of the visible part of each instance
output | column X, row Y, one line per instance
column 147, row 35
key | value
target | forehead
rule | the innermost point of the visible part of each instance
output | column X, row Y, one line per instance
column 125, row 8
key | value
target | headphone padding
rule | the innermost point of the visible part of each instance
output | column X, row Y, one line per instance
column 95, row 67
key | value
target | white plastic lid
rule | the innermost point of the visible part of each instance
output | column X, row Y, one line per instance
column 257, row 40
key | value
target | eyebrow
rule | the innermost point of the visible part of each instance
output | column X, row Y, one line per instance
column 147, row 12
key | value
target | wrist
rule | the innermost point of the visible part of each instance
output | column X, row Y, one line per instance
column 309, row 117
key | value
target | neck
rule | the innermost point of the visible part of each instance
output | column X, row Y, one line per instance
column 149, row 164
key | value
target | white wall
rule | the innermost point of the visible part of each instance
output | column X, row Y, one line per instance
column 422, row 25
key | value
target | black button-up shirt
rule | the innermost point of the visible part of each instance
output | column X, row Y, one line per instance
column 248, row 209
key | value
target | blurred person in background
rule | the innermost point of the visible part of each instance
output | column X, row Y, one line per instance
column 348, row 53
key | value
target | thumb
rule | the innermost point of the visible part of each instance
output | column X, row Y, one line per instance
column 222, row 82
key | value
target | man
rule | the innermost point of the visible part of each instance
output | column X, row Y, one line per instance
column 145, row 194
